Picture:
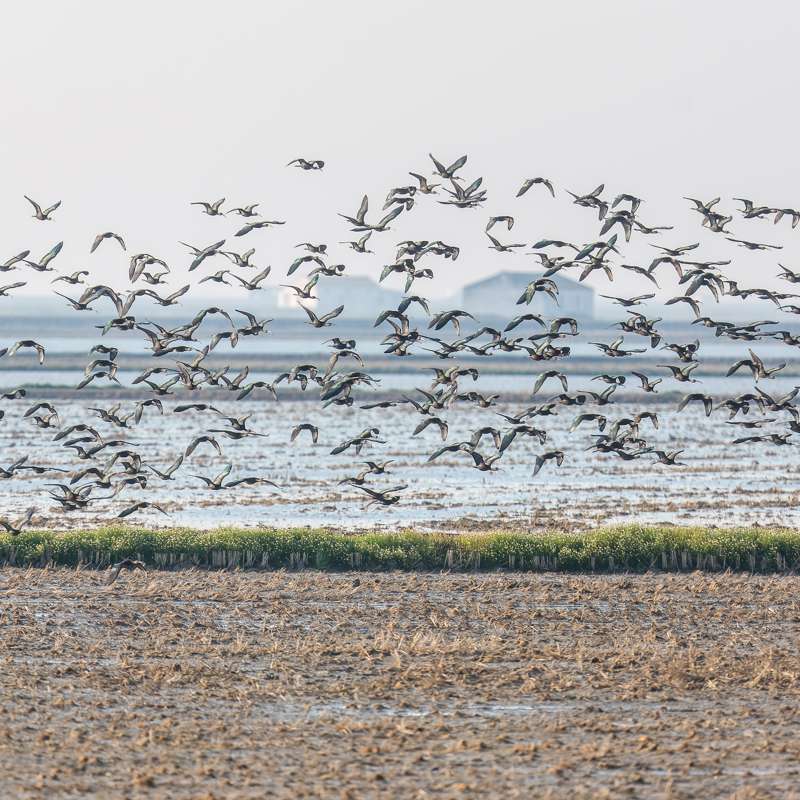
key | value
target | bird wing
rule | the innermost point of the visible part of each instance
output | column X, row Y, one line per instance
column 456, row 165
column 51, row 254
column 331, row 314
column 311, row 315
column 390, row 216
column 222, row 475
column 35, row 205
column 525, row 186
column 440, row 168
column 362, row 209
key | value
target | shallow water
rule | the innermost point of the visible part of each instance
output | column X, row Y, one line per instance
column 720, row 484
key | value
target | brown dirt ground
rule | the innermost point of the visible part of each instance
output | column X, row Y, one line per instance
column 251, row 685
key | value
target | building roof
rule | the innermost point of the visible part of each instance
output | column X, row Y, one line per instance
column 519, row 280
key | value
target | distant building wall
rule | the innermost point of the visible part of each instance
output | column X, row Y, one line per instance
column 287, row 299
column 361, row 297
column 497, row 296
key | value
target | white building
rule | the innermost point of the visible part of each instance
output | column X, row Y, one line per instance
column 497, row 295
column 361, row 297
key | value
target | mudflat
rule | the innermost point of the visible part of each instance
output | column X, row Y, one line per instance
column 197, row 684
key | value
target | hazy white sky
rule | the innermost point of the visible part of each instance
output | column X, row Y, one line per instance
column 127, row 112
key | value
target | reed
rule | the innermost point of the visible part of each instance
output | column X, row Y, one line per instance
column 634, row 548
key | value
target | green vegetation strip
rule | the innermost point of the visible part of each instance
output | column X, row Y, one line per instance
column 615, row 549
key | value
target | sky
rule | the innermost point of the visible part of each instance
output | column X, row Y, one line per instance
column 127, row 113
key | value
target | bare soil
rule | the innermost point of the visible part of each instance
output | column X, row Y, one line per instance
column 252, row 685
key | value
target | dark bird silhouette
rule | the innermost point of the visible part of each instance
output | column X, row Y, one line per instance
column 167, row 474
column 198, row 440
column 128, row 564
column 754, row 245
column 448, row 172
column 305, row 426
column 246, row 211
column 425, row 187
column 254, row 226
column 706, row 400
column 212, row 209
column 253, row 284
column 16, row 527
column 107, row 235
column 202, row 253
column 756, row 366
column 307, row 164
column 141, row 505
column 43, row 264
column 324, row 320
column 387, row 497
column 528, row 182
column 682, row 374
column 550, row 455
column 45, row 215
column 24, row 343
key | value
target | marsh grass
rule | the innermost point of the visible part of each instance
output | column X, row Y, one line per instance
column 625, row 548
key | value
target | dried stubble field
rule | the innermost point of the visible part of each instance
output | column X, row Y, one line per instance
column 245, row 685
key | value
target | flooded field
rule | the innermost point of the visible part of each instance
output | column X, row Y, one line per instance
column 244, row 685
column 719, row 484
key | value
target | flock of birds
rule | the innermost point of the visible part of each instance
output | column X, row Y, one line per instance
column 113, row 464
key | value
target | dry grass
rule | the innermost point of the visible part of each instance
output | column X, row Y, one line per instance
column 244, row 685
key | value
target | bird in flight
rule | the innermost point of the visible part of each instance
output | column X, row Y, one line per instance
column 448, row 172
column 307, row 164
column 528, row 182
column 107, row 235
column 45, row 215
column 212, row 209
column 200, row 365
